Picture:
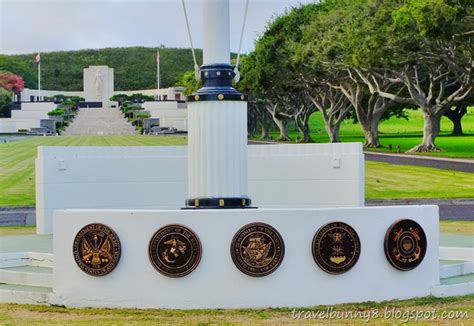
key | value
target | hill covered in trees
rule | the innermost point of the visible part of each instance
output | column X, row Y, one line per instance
column 135, row 67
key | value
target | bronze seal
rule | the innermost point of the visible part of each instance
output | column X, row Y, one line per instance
column 96, row 249
column 257, row 249
column 174, row 250
column 336, row 247
column 405, row 244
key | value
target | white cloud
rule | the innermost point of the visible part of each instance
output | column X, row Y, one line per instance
column 27, row 26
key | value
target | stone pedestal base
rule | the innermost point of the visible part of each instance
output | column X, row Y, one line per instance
column 218, row 283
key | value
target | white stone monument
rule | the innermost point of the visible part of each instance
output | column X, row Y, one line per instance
column 222, row 253
column 99, row 84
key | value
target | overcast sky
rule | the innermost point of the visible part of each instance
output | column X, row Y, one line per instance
column 28, row 26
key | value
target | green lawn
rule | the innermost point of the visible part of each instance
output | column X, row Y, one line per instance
column 406, row 133
column 389, row 181
column 13, row 314
column 17, row 160
column 383, row 181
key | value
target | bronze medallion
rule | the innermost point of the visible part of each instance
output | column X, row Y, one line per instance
column 175, row 250
column 96, row 249
column 336, row 247
column 405, row 244
column 257, row 249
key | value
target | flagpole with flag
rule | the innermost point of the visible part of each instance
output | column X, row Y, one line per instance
column 158, row 72
column 38, row 62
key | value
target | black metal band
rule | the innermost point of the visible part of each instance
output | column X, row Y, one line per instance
column 217, row 85
column 224, row 203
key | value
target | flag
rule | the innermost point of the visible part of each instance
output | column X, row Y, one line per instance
column 158, row 57
column 38, row 59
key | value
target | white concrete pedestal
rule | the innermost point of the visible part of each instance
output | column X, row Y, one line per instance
column 217, row 283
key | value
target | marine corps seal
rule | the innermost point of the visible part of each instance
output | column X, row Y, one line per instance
column 257, row 249
column 405, row 244
column 174, row 250
column 96, row 249
column 336, row 247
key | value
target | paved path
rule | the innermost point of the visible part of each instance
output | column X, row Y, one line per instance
column 449, row 209
column 100, row 121
column 463, row 165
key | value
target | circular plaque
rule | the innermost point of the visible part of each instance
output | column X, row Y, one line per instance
column 405, row 244
column 96, row 249
column 257, row 249
column 175, row 250
column 336, row 247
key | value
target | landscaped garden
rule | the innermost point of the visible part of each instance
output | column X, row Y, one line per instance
column 398, row 132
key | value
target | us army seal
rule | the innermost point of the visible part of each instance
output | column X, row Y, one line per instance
column 257, row 249
column 96, row 249
column 405, row 244
column 174, row 250
column 336, row 247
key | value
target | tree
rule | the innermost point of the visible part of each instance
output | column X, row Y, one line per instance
column 11, row 82
column 189, row 82
column 435, row 39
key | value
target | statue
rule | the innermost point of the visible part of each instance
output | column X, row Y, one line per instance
column 98, row 85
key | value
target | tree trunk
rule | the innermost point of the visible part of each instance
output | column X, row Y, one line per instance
column 303, row 127
column 333, row 132
column 371, row 132
column 283, row 127
column 265, row 131
column 430, row 131
column 456, row 115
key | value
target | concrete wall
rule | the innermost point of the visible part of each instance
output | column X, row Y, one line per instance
column 313, row 175
column 217, row 283
column 171, row 114
column 28, row 117
column 26, row 93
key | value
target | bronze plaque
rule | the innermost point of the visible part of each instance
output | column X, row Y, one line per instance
column 257, row 249
column 96, row 249
column 174, row 250
column 336, row 247
column 405, row 244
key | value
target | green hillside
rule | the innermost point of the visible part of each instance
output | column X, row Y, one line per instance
column 135, row 67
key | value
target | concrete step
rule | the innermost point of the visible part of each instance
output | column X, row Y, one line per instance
column 10, row 293
column 27, row 276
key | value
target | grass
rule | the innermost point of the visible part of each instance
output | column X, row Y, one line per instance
column 457, row 227
column 17, row 230
column 17, row 160
column 406, row 133
column 389, row 181
column 44, row 315
column 383, row 180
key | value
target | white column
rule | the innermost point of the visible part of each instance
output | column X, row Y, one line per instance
column 217, row 130
column 216, row 47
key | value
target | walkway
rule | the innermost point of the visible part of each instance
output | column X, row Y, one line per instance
column 100, row 121
column 463, row 165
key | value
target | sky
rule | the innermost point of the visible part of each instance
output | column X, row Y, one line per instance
column 28, row 26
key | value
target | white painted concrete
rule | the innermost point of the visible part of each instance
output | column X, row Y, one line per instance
column 217, row 283
column 171, row 113
column 156, row 177
column 28, row 117
column 13, row 259
column 216, row 32
column 456, row 253
column 460, row 269
column 450, row 290
column 217, row 149
column 26, row 297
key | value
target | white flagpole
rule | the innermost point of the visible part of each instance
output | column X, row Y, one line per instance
column 158, row 73
column 39, row 79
